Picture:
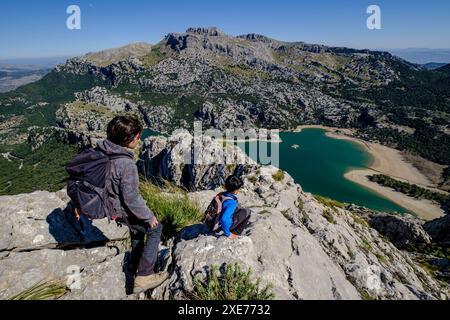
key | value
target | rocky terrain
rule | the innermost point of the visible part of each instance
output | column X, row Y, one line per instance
column 240, row 81
column 244, row 81
column 305, row 247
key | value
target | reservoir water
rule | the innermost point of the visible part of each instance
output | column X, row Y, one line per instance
column 318, row 163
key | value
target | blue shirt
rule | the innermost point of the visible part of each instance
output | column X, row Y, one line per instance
column 228, row 209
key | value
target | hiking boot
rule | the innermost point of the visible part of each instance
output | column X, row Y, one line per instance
column 144, row 283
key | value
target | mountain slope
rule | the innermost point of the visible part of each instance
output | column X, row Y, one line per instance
column 107, row 57
column 304, row 247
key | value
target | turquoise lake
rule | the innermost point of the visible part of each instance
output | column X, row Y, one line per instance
column 319, row 165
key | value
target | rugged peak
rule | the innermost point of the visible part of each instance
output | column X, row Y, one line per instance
column 256, row 37
column 211, row 31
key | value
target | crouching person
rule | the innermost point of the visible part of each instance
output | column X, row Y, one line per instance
column 225, row 213
column 128, row 206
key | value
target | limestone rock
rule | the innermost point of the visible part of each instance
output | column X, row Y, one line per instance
column 439, row 229
column 22, row 270
column 401, row 230
column 37, row 220
column 274, row 249
column 195, row 163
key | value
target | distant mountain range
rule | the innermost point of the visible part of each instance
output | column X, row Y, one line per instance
column 423, row 56
column 433, row 65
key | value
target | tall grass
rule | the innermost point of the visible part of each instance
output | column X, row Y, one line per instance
column 173, row 208
column 50, row 290
column 231, row 284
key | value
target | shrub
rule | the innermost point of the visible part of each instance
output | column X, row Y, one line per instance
column 360, row 220
column 279, row 176
column 50, row 290
column 329, row 216
column 431, row 249
column 175, row 211
column 330, row 203
column 231, row 284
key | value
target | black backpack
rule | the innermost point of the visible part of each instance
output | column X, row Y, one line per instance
column 89, row 182
column 213, row 212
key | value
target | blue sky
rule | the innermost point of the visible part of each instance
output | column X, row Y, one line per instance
column 37, row 28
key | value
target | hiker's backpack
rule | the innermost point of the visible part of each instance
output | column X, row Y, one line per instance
column 213, row 212
column 89, row 182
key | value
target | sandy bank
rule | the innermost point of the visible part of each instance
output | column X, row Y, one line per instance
column 425, row 209
column 388, row 161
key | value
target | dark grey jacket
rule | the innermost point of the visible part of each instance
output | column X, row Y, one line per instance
column 124, row 193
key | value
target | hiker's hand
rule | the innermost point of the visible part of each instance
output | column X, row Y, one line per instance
column 233, row 236
column 154, row 222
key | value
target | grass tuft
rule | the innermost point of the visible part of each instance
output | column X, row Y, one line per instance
column 231, row 284
column 330, row 203
column 50, row 290
column 173, row 209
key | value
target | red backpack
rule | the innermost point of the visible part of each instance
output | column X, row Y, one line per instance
column 214, row 211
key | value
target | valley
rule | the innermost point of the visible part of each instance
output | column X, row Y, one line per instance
column 247, row 81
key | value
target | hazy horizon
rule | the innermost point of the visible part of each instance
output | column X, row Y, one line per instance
column 33, row 29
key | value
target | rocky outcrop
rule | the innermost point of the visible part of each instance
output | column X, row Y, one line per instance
column 439, row 229
column 39, row 242
column 213, row 31
column 400, row 230
column 37, row 136
column 191, row 162
column 276, row 251
column 38, row 221
column 101, row 96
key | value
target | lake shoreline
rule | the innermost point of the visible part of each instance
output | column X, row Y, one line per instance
column 390, row 162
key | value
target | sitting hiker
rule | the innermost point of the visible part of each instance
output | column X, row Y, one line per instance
column 123, row 135
column 224, row 211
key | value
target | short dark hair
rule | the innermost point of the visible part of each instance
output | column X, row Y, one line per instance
column 233, row 183
column 123, row 129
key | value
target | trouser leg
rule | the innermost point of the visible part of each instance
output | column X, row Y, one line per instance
column 137, row 246
column 240, row 220
column 149, row 255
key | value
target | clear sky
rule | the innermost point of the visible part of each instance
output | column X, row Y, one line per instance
column 37, row 28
